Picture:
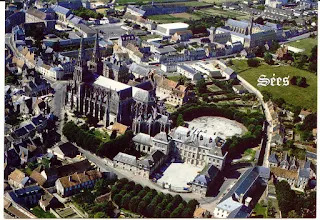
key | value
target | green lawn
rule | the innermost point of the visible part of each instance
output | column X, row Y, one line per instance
column 219, row 1
column 306, row 44
column 102, row 11
column 37, row 211
column 260, row 210
column 187, row 3
column 121, row 2
column 174, row 78
column 195, row 3
column 213, row 88
column 249, row 152
column 224, row 13
column 298, row 96
column 104, row 136
column 179, row 17
column 150, row 36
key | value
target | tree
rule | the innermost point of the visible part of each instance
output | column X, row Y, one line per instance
column 170, row 207
column 186, row 213
column 306, row 136
column 180, row 121
column 301, row 81
column 268, row 58
column 133, row 204
column 125, row 201
column 201, row 86
column 149, row 210
column 293, row 80
column 100, row 215
column 113, row 134
column 141, row 207
column 312, row 67
column 279, row 102
column 177, row 212
column 165, row 214
column 293, row 214
column 285, row 196
column 101, row 186
column 253, row 62
column 137, row 188
column 310, row 122
column 142, row 193
column 117, row 199
column 157, row 212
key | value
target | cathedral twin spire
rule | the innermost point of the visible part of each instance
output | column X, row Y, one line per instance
column 96, row 57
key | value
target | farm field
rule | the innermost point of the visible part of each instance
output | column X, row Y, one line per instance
column 179, row 17
column 298, row 96
column 306, row 44
column 219, row 1
column 121, row 2
column 224, row 13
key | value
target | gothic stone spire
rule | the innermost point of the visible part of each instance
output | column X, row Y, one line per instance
column 96, row 51
column 81, row 56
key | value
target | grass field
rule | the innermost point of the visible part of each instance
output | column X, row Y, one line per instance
column 306, row 44
column 102, row 11
column 226, row 14
column 179, row 17
column 187, row 3
column 298, row 96
column 260, row 210
column 219, row 1
column 104, row 136
column 37, row 211
column 174, row 78
column 150, row 36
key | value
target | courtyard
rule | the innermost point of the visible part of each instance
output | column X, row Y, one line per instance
column 222, row 127
column 179, row 174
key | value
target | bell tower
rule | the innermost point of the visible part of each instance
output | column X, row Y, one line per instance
column 95, row 64
column 81, row 68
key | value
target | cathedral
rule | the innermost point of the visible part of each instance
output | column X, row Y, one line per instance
column 91, row 92
column 248, row 33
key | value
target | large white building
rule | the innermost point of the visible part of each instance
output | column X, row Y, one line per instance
column 275, row 3
column 248, row 33
column 199, row 148
column 171, row 28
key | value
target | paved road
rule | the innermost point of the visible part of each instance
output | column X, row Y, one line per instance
column 267, row 115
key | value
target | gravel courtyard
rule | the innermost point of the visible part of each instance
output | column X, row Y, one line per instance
column 221, row 126
column 179, row 174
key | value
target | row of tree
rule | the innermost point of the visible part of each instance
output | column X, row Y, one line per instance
column 80, row 136
column 86, row 139
column 149, row 203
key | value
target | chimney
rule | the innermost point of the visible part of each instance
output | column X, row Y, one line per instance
column 70, row 178
column 241, row 198
column 248, row 201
